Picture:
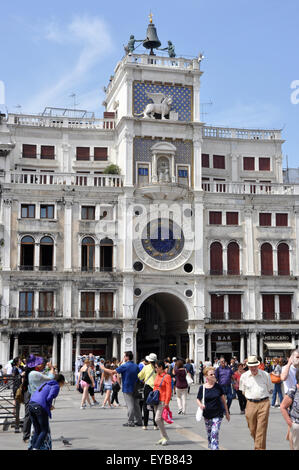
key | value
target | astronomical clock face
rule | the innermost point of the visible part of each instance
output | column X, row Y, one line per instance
column 162, row 239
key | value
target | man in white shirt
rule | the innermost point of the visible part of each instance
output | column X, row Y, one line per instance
column 256, row 385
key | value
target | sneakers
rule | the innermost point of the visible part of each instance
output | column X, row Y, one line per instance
column 180, row 412
column 145, row 428
column 162, row 441
column 82, row 407
column 156, row 428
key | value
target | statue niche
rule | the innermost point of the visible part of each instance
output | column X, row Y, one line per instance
column 163, row 170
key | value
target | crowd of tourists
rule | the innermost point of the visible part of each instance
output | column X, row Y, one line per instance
column 149, row 386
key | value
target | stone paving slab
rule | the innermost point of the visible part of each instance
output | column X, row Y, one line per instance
column 101, row 429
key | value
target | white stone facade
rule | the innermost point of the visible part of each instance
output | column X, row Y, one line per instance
column 70, row 299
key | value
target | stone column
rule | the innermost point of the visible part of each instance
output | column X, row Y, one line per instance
column 198, row 235
column 242, row 348
column 178, row 345
column 296, row 257
column 197, row 172
column 16, row 346
column 209, row 346
column 68, row 235
column 62, row 352
column 261, row 348
column 126, row 229
column 128, row 144
column 191, row 343
column 54, row 349
column 7, row 204
column 249, row 248
column 4, row 347
column 199, row 338
column 129, row 97
column 78, row 348
column 67, row 299
column 67, row 365
column 253, row 343
column 114, row 345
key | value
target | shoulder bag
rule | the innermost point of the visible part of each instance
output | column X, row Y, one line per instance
column 199, row 412
column 153, row 397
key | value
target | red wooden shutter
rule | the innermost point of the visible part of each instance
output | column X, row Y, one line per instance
column 285, row 307
column 205, row 161
column 234, row 306
column 219, row 161
column 266, row 260
column 232, row 218
column 248, row 163
column 268, row 307
column 29, row 151
column 281, row 220
column 215, row 218
column 82, row 153
column 100, row 153
column 283, row 260
column 109, row 115
column 217, row 307
column 265, row 220
column 233, row 259
column 264, row 164
column 47, row 152
column 216, row 266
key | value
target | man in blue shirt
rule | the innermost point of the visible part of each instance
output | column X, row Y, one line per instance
column 129, row 374
column 223, row 376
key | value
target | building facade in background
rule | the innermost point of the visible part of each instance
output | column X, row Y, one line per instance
column 191, row 249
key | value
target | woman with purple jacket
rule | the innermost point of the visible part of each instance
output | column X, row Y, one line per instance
column 40, row 407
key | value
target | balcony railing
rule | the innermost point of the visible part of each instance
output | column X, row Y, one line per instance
column 97, row 314
column 35, row 120
column 237, row 133
column 249, row 188
column 69, row 179
column 52, row 313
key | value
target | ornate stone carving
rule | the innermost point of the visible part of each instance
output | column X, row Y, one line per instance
column 161, row 105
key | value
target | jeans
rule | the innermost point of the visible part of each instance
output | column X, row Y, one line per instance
column 40, row 421
column 227, row 390
column 277, row 390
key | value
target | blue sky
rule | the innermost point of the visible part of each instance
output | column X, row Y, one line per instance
column 50, row 50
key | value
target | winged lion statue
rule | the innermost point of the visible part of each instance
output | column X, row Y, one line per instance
column 161, row 105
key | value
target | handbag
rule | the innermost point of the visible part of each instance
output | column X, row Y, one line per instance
column 153, row 397
column 199, row 412
column 189, row 379
column 275, row 379
column 19, row 397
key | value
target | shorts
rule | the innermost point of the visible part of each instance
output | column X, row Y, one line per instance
column 84, row 384
column 107, row 387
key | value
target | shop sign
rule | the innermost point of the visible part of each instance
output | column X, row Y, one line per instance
column 284, row 338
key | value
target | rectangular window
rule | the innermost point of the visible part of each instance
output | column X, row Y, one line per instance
column 217, row 307
column 219, row 161
column 143, row 174
column 87, row 305
column 248, row 163
column 285, row 307
column 265, row 220
column 88, row 213
column 47, row 211
column 205, row 160
column 268, row 307
column 29, row 151
column 232, row 218
column 215, row 218
column 264, row 164
column 26, row 304
column 234, row 306
column 28, row 211
column 281, row 220
column 46, row 304
column 183, row 176
column 100, row 153
column 47, row 152
column 82, row 153
column 106, row 304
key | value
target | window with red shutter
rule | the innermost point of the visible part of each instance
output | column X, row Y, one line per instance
column 82, row 153
column 100, row 153
column 248, row 163
column 205, row 160
column 219, row 161
column 216, row 265
column 285, row 307
column 215, row 218
column 234, row 306
column 233, row 259
column 217, row 307
column 29, row 151
column 264, row 164
column 266, row 260
column 47, row 152
column 232, row 218
column 281, row 220
column 283, row 260
column 268, row 307
column 265, row 219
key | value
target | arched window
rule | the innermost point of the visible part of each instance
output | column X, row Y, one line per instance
column 27, row 254
column 283, row 260
column 216, row 266
column 233, row 259
column 106, row 255
column 87, row 254
column 266, row 260
column 46, row 254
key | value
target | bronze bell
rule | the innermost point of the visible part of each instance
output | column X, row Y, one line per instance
column 152, row 41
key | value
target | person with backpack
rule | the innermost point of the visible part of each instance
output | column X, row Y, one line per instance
column 40, row 407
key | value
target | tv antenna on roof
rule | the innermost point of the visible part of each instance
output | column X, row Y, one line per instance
column 202, row 113
column 73, row 95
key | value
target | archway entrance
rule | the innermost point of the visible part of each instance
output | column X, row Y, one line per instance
column 162, row 328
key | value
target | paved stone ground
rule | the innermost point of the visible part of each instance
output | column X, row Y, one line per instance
column 101, row 429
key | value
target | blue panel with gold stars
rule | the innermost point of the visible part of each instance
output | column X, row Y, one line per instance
column 181, row 98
